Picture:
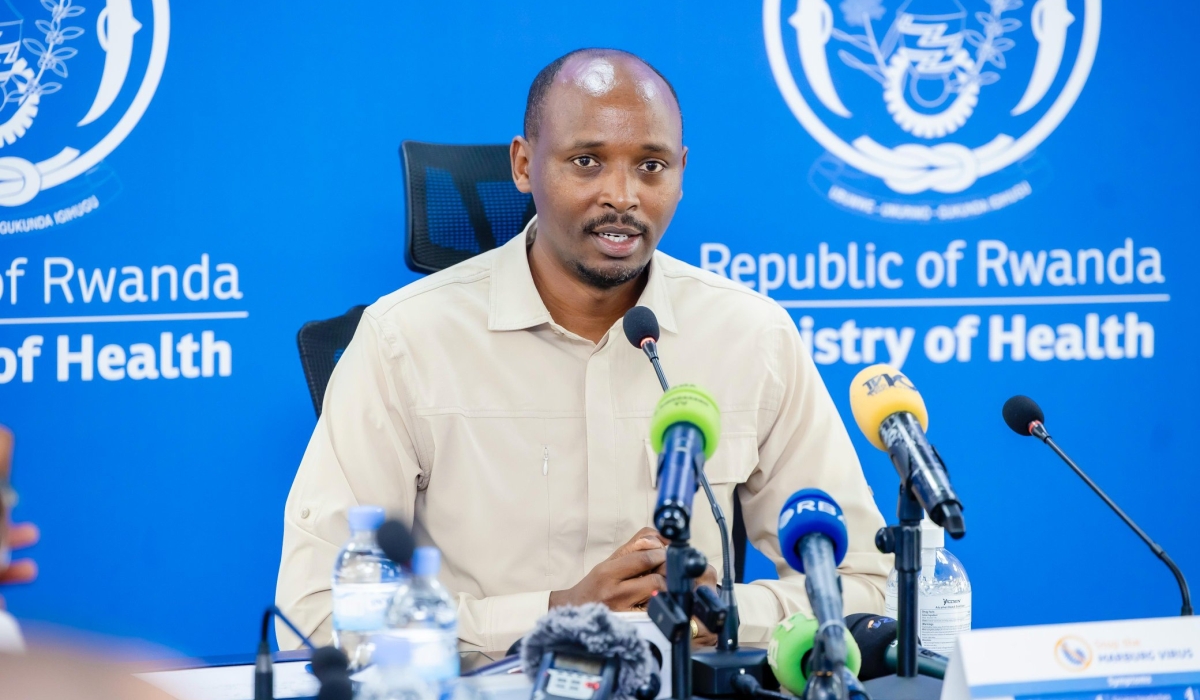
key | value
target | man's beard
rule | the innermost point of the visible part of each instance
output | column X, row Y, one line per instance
column 615, row 277
column 607, row 279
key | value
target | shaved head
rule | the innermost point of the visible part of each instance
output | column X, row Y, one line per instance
column 593, row 76
column 603, row 157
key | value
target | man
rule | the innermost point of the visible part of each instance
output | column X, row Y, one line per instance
column 497, row 406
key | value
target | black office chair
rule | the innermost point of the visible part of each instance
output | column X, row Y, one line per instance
column 321, row 345
column 461, row 201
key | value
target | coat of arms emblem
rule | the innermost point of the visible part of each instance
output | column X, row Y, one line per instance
column 932, row 99
column 66, row 72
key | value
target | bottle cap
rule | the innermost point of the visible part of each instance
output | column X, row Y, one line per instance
column 390, row 650
column 426, row 561
column 365, row 518
column 932, row 534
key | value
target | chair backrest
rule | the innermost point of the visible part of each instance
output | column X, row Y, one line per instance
column 461, row 201
column 321, row 345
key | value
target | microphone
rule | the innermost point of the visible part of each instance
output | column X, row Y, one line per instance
column 264, row 673
column 588, row 647
column 1025, row 417
column 713, row 672
column 332, row 669
column 329, row 664
column 789, row 653
column 813, row 540
column 876, row 639
column 684, row 431
column 872, row 634
column 929, row 663
column 396, row 541
column 641, row 328
column 892, row 416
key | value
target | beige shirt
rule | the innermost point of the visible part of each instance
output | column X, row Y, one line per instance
column 521, row 450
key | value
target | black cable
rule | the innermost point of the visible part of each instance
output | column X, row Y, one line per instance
column 747, row 687
column 264, row 673
column 727, row 638
column 274, row 610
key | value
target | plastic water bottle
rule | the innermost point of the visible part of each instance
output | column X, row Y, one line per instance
column 363, row 583
column 944, row 593
column 392, row 675
column 424, row 613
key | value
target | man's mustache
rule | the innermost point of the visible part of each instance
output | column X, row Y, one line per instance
column 621, row 219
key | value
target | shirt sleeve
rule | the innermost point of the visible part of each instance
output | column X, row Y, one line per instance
column 806, row 446
column 366, row 450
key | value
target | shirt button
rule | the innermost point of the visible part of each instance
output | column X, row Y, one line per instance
column 304, row 513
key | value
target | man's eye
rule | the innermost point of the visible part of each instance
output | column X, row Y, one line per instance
column 585, row 161
column 653, row 166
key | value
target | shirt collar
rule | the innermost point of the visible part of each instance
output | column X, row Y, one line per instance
column 515, row 304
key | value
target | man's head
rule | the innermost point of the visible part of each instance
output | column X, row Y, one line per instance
column 603, row 156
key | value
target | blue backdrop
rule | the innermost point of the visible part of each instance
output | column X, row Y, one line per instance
column 266, row 157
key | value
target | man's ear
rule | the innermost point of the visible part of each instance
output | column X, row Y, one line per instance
column 520, row 153
column 682, row 167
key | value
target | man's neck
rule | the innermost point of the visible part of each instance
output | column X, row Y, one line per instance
column 579, row 307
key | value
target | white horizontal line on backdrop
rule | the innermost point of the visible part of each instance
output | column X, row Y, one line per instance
column 127, row 318
column 976, row 301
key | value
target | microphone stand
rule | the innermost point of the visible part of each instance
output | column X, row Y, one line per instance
column 712, row 673
column 904, row 540
column 672, row 611
column 1038, row 430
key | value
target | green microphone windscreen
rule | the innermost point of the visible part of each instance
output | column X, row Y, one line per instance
column 686, row 403
column 788, row 651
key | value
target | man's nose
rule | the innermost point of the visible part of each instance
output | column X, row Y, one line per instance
column 619, row 190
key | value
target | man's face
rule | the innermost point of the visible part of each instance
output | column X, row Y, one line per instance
column 605, row 169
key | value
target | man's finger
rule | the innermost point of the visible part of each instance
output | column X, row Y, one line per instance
column 23, row 535
column 651, row 533
column 635, row 563
column 21, row 571
column 641, row 545
column 646, row 538
column 636, row 591
column 708, row 578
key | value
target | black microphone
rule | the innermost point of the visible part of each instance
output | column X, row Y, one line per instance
column 875, row 636
column 332, row 668
column 929, row 663
column 711, row 672
column 1025, row 417
column 396, row 541
column 872, row 634
column 329, row 664
column 264, row 674
column 641, row 328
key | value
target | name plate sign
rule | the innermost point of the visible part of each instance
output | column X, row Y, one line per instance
column 1155, row 659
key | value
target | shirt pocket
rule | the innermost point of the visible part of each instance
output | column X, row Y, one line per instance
column 734, row 461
